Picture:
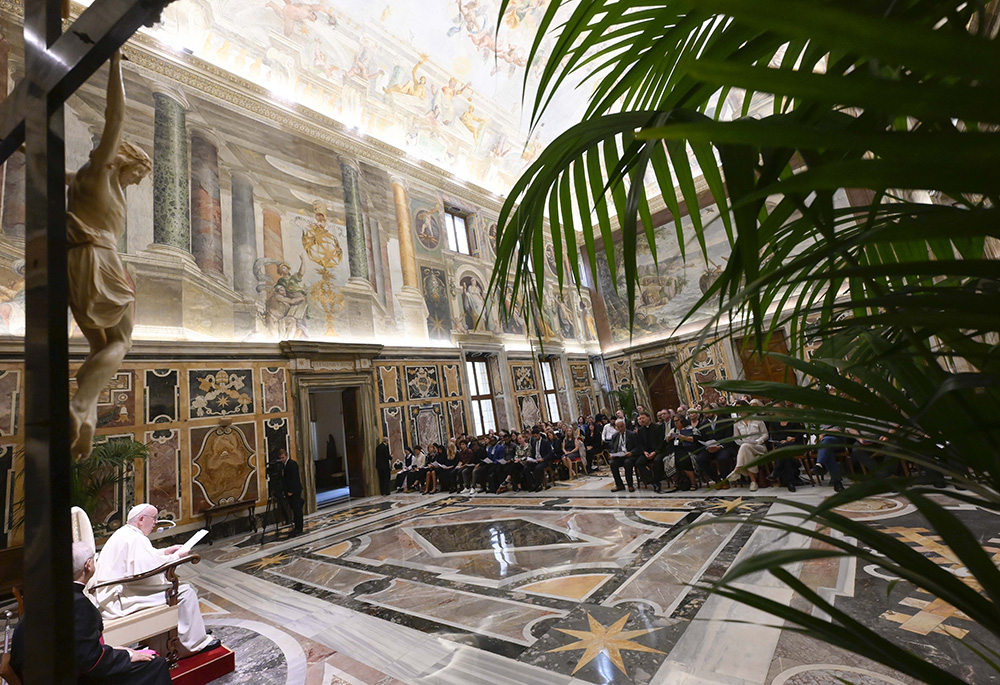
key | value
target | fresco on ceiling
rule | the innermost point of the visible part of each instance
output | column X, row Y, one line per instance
column 668, row 287
column 434, row 78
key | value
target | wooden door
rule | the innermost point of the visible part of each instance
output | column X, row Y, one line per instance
column 354, row 447
column 764, row 368
column 662, row 388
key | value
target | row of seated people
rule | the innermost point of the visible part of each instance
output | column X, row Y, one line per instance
column 497, row 462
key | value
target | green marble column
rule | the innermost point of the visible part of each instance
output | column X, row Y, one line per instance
column 171, row 182
column 357, row 249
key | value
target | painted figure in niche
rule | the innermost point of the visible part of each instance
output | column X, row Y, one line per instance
column 473, row 123
column 589, row 326
column 550, row 259
column 101, row 294
column 473, row 300
column 417, row 87
column 565, row 318
column 515, row 320
column 443, row 101
column 285, row 305
column 294, row 13
column 12, row 301
column 436, row 296
column 428, row 232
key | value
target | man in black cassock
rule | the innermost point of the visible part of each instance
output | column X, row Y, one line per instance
column 291, row 483
column 96, row 663
column 383, row 464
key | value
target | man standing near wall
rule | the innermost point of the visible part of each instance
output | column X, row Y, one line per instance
column 291, row 484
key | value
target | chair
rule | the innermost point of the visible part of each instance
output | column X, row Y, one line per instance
column 6, row 672
column 156, row 626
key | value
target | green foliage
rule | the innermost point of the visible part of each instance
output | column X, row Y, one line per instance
column 851, row 148
column 110, row 464
column 625, row 399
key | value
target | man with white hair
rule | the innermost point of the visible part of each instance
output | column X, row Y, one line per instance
column 97, row 662
column 129, row 552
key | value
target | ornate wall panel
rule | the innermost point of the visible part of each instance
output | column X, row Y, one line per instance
column 220, row 392
column 389, row 385
column 162, row 396
column 116, row 403
column 452, row 380
column 529, row 411
column 523, row 376
column 273, row 390
column 163, row 471
column 115, row 501
column 427, row 423
column 422, row 382
column 394, row 427
column 10, row 396
column 456, row 418
column 581, row 374
column 275, row 437
column 224, row 465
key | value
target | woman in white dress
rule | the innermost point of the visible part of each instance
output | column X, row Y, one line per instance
column 751, row 436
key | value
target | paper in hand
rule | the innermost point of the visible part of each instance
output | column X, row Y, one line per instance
column 192, row 541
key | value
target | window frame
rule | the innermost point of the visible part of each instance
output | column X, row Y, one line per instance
column 451, row 217
column 477, row 397
column 549, row 394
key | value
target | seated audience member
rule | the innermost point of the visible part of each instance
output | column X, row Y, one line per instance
column 571, row 457
column 522, row 470
column 608, row 434
column 541, row 456
column 751, row 437
column 594, row 443
column 128, row 552
column 649, row 445
column 716, row 457
column 413, row 464
column 489, row 468
column 623, row 451
column 96, row 662
column 467, row 454
column 433, row 468
column 829, row 444
column 786, row 434
column 684, row 443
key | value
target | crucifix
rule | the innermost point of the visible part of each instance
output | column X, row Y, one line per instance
column 56, row 65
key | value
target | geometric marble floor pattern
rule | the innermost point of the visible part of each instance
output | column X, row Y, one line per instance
column 565, row 586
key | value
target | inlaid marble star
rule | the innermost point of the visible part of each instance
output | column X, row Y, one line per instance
column 272, row 560
column 609, row 640
column 727, row 507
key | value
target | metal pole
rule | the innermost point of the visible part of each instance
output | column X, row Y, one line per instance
column 49, row 634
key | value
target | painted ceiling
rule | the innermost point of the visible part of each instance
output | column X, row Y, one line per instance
column 431, row 77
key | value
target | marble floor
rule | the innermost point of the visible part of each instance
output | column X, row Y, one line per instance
column 571, row 585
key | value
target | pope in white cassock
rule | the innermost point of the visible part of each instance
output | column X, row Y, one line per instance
column 129, row 552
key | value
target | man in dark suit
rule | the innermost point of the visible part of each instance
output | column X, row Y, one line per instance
column 541, row 451
column 96, row 662
column 383, row 464
column 291, row 483
column 717, row 455
column 649, row 442
column 623, row 450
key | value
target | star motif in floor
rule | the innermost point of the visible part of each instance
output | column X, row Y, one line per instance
column 727, row 507
column 273, row 560
column 609, row 640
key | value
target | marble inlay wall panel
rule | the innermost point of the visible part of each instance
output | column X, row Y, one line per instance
column 529, row 412
column 162, row 395
column 275, row 437
column 499, row 399
column 116, row 402
column 7, row 493
column 220, row 392
column 394, row 427
column 427, row 423
column 10, row 397
column 452, row 380
column 389, row 386
column 422, row 382
column 456, row 418
column 274, row 390
column 619, row 373
column 581, row 374
column 567, row 412
column 585, row 400
column 224, row 464
column 163, row 471
column 115, row 500
column 524, row 377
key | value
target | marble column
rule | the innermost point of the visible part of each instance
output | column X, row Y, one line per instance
column 13, row 196
column 206, row 205
column 171, row 190
column 357, row 243
column 273, row 247
column 411, row 301
column 245, row 235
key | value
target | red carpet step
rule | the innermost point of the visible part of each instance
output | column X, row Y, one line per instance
column 204, row 668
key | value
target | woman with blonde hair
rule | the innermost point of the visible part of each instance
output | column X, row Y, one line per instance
column 751, row 436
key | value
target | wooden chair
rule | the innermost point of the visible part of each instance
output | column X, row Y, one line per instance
column 155, row 626
column 6, row 672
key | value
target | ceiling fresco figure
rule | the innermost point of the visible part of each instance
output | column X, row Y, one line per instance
column 416, row 87
column 297, row 13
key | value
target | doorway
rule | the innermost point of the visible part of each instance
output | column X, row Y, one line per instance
column 764, row 368
column 662, row 387
column 336, row 444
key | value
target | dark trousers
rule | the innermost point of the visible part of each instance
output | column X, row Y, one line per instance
column 295, row 502
column 649, row 470
column 787, row 470
column 715, row 465
column 384, row 480
column 616, row 467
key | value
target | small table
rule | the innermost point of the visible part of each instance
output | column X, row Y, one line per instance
column 227, row 510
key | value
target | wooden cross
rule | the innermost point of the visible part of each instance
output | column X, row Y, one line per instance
column 56, row 65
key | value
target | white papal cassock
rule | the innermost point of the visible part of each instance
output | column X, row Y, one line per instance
column 127, row 553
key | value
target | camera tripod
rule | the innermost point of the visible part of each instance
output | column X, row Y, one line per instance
column 276, row 504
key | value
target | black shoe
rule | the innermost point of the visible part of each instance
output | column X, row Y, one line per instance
column 838, row 486
column 791, row 487
column 656, row 488
column 818, row 470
